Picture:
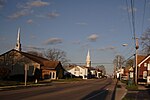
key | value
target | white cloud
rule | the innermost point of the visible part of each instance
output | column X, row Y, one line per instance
column 93, row 37
column 33, row 48
column 29, row 21
column 107, row 48
column 38, row 3
column 82, row 23
column 31, row 4
column 52, row 41
column 53, row 15
column 26, row 8
column 19, row 14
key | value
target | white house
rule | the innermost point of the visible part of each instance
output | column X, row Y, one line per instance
column 79, row 71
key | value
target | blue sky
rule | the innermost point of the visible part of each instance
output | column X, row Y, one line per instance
column 73, row 26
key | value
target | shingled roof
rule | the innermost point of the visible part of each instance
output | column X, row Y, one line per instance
column 42, row 61
column 140, row 58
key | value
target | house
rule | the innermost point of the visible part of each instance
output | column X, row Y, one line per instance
column 15, row 61
column 78, row 71
column 99, row 73
column 93, row 72
column 128, row 73
column 144, row 68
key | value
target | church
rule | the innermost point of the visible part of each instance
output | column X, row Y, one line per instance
column 84, row 71
column 15, row 62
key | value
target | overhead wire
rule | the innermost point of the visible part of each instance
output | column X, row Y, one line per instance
column 127, row 7
column 133, row 21
column 143, row 16
column 131, row 18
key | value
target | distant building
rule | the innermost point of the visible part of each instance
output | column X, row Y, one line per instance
column 78, row 71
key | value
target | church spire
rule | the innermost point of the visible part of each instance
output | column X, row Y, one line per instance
column 18, row 44
column 88, row 59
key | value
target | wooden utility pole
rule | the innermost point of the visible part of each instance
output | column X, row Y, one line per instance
column 136, row 58
column 26, row 69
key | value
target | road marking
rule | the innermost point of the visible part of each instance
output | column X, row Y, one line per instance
column 96, row 94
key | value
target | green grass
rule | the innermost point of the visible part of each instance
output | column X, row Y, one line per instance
column 133, row 87
column 13, row 83
column 10, row 83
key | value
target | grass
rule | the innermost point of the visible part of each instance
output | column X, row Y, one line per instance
column 13, row 83
column 10, row 83
column 132, row 87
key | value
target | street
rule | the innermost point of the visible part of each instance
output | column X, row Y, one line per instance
column 93, row 89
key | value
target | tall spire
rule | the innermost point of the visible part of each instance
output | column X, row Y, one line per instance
column 88, row 59
column 18, row 44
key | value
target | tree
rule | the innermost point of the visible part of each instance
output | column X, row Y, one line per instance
column 119, row 61
column 35, row 53
column 130, row 63
column 56, row 55
column 101, row 67
column 4, row 72
column 145, row 41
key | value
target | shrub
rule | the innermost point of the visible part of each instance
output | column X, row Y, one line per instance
column 4, row 73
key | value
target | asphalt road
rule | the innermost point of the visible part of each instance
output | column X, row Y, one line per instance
column 93, row 89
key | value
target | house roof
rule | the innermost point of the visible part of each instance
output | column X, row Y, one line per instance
column 143, row 60
column 42, row 61
column 140, row 58
column 50, row 64
column 73, row 66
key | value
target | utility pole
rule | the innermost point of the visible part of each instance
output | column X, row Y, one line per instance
column 136, row 58
column 26, row 69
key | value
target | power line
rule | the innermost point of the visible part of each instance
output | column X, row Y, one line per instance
column 128, row 16
column 133, row 18
column 92, row 63
column 143, row 15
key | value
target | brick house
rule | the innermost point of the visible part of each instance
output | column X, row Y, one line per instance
column 143, row 68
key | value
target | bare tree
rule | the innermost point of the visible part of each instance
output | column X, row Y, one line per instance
column 56, row 55
column 35, row 53
column 145, row 41
column 118, row 61
column 130, row 62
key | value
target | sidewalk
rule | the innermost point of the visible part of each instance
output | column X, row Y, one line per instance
column 120, row 91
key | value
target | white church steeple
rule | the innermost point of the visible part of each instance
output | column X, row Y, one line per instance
column 18, row 44
column 88, row 60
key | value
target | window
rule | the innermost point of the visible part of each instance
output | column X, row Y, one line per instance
column 148, row 68
column 145, row 64
column 144, row 74
column 77, row 69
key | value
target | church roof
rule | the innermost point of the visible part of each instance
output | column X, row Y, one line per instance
column 46, row 64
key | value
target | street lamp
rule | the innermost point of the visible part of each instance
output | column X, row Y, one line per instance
column 124, row 44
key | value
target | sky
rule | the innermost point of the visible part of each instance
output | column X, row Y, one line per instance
column 74, row 26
